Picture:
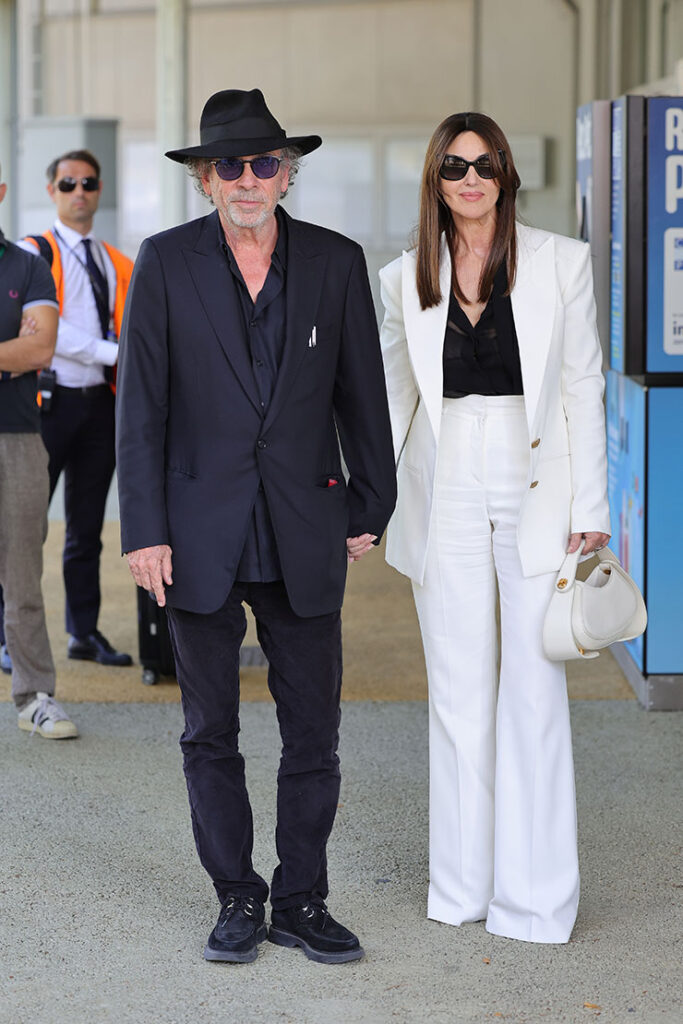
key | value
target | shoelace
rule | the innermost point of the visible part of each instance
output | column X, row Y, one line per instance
column 48, row 710
column 235, row 903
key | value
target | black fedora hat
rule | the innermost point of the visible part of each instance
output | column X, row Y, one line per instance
column 237, row 123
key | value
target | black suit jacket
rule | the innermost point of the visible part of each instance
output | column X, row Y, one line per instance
column 193, row 443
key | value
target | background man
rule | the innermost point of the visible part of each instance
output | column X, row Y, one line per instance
column 250, row 340
column 26, row 291
column 91, row 278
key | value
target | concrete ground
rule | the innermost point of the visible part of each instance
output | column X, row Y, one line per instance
column 382, row 648
column 104, row 909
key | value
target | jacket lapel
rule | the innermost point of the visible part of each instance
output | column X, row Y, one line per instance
column 305, row 275
column 210, row 273
column 534, row 300
column 425, row 331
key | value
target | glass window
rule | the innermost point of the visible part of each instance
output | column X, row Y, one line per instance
column 336, row 188
column 403, row 162
column 197, row 205
column 140, row 199
column 528, row 152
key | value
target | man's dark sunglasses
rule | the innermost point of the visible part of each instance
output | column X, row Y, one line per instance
column 454, row 168
column 69, row 184
column 230, row 168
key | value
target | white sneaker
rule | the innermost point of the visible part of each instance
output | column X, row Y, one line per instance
column 48, row 718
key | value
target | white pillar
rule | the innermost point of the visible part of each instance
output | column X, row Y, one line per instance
column 84, row 77
column 171, row 106
column 653, row 57
column 616, row 47
column 8, row 111
column 675, row 38
column 588, row 87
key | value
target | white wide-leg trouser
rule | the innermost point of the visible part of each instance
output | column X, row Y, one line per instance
column 502, row 803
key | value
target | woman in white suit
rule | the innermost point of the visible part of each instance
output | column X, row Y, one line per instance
column 493, row 371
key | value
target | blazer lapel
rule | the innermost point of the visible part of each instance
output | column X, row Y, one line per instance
column 210, row 273
column 425, row 331
column 534, row 300
column 305, row 276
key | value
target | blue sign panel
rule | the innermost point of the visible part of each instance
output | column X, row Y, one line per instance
column 626, row 410
column 665, row 235
column 618, row 229
column 665, row 515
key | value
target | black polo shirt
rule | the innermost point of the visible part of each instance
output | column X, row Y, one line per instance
column 482, row 359
column 25, row 281
column 263, row 333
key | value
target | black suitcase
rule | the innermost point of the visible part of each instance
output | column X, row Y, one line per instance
column 156, row 653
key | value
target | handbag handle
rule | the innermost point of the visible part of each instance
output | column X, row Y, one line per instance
column 578, row 623
column 566, row 577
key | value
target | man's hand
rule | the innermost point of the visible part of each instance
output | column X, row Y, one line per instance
column 29, row 325
column 151, row 568
column 34, row 346
column 592, row 542
column 356, row 547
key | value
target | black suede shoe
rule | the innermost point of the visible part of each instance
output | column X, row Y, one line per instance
column 239, row 929
column 95, row 647
column 312, row 927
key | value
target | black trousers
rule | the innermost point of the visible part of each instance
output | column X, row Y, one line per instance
column 78, row 433
column 304, row 677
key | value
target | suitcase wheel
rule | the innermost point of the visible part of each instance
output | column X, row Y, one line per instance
column 149, row 676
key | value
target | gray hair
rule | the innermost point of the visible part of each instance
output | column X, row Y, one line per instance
column 200, row 168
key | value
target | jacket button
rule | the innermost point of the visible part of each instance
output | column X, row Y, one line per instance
column 534, row 483
column 261, row 443
column 535, row 444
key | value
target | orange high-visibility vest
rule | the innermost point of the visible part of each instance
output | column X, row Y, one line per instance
column 122, row 266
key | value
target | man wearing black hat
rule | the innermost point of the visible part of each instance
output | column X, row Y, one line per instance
column 249, row 355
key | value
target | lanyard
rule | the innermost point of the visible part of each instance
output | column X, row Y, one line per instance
column 72, row 251
column 98, row 282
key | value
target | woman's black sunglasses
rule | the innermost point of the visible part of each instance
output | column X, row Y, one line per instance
column 454, row 168
column 87, row 184
column 230, row 168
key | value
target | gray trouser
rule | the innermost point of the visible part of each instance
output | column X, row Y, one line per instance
column 24, row 495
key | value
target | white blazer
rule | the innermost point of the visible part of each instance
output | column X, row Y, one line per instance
column 554, row 312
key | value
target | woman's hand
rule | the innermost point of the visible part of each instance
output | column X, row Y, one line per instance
column 592, row 541
column 356, row 547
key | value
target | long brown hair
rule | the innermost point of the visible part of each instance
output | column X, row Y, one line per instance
column 436, row 218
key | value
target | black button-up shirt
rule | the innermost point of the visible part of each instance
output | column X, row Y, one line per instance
column 482, row 359
column 263, row 330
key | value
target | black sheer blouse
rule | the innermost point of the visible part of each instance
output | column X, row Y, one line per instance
column 484, row 359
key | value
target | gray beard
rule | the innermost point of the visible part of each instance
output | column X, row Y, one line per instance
column 248, row 220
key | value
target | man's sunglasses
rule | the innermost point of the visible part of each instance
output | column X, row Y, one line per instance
column 454, row 168
column 87, row 184
column 230, row 168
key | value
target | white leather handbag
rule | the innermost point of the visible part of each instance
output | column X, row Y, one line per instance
column 585, row 616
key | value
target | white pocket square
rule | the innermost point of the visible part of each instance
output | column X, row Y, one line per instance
column 312, row 340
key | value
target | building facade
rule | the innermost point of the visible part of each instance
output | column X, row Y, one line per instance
column 373, row 77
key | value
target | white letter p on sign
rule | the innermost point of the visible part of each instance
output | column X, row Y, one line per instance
column 674, row 182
